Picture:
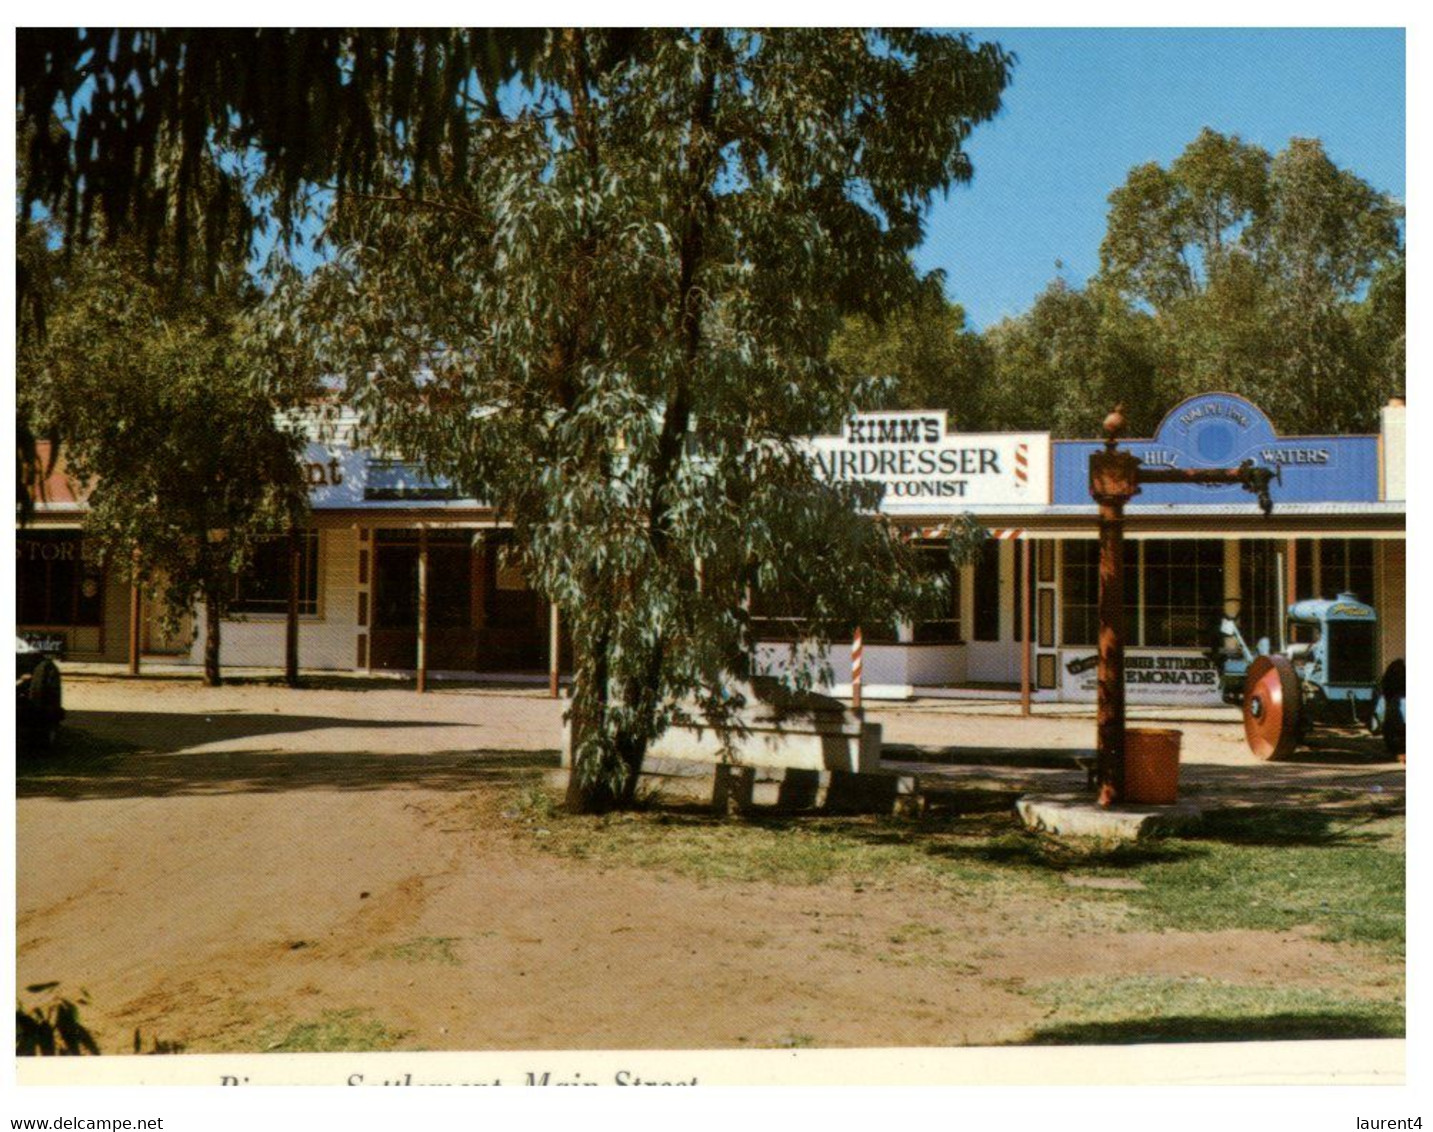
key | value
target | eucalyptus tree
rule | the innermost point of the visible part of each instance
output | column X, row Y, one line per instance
column 1072, row 356
column 928, row 356
column 36, row 277
column 1258, row 268
column 168, row 421
column 121, row 128
column 612, row 320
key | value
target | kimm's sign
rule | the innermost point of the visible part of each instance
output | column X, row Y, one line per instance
column 924, row 469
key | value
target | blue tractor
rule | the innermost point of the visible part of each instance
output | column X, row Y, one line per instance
column 1329, row 678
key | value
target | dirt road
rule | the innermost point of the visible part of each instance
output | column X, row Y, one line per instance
column 219, row 868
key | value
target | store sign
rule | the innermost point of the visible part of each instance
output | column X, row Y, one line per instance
column 342, row 477
column 1219, row 430
column 51, row 644
column 1151, row 677
column 924, row 469
column 335, row 475
column 50, row 548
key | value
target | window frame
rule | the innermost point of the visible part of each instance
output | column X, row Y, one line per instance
column 311, row 574
column 79, row 570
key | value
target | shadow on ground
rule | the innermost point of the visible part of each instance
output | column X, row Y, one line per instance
column 167, row 732
column 1316, row 1026
column 99, row 771
column 987, row 831
column 529, row 684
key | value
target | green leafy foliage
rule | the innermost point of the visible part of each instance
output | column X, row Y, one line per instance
column 171, row 424
column 148, row 113
column 1073, row 356
column 1276, row 277
column 612, row 321
column 927, row 356
column 51, row 1026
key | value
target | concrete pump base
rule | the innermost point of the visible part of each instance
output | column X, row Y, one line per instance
column 1078, row 815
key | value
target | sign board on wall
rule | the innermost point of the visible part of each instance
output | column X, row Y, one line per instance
column 1220, row 430
column 335, row 475
column 924, row 469
column 340, row 477
column 1174, row 676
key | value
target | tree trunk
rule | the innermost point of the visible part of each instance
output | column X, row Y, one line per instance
column 588, row 791
column 609, row 782
column 212, row 622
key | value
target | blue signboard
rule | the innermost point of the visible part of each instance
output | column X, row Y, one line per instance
column 1219, row 430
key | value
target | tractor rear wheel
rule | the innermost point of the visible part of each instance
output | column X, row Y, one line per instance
column 1273, row 707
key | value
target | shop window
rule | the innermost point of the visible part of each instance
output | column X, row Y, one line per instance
column 55, row 585
column 775, row 616
column 1080, row 593
column 395, row 581
column 987, row 593
column 946, row 629
column 1260, row 564
column 1346, row 566
column 786, row 615
column 264, row 586
column 1184, row 591
column 395, row 585
column 450, row 581
column 510, row 602
column 1304, row 584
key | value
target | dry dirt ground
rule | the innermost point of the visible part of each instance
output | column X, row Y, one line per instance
column 218, row 866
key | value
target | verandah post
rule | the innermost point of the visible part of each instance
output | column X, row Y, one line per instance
column 291, row 625
column 422, row 609
column 554, row 651
column 1027, row 634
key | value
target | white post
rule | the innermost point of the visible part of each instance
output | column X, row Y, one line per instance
column 856, row 649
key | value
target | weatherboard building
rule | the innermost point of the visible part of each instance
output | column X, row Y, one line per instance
column 1021, row 620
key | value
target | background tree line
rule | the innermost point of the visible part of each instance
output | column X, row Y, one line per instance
column 1279, row 278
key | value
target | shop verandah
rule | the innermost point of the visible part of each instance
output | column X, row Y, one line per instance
column 444, row 601
column 396, row 574
column 1183, row 574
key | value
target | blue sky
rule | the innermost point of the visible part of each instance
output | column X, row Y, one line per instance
column 1086, row 105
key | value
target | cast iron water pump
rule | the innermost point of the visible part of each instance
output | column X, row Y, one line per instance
column 1115, row 479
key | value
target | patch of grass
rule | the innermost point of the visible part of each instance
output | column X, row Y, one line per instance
column 1340, row 871
column 424, row 949
column 914, row 933
column 1136, row 1010
column 533, row 803
column 686, row 840
column 335, row 1031
column 1349, row 886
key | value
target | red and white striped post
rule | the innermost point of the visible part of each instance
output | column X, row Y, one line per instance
column 856, row 669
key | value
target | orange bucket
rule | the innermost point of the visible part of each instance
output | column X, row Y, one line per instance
column 1151, row 766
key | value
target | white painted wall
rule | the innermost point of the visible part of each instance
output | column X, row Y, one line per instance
column 327, row 641
column 1394, row 418
column 892, row 669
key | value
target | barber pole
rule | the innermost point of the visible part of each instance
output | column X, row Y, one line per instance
column 856, row 669
column 1022, row 465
